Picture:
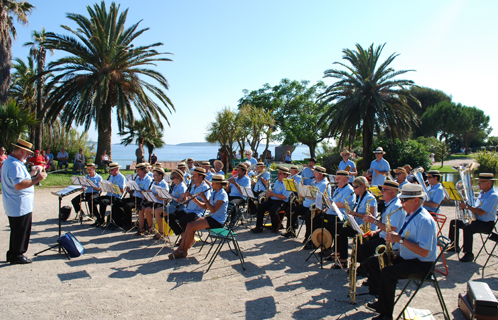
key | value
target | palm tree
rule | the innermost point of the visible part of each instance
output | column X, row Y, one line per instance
column 103, row 74
column 367, row 99
column 148, row 134
column 38, row 52
column 10, row 10
column 23, row 90
column 14, row 122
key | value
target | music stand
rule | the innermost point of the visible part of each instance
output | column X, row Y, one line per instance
column 62, row 193
column 108, row 187
column 318, row 203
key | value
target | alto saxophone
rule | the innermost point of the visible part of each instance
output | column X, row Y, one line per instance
column 352, row 270
column 387, row 249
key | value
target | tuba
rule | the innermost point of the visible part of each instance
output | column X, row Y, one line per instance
column 417, row 173
column 465, row 188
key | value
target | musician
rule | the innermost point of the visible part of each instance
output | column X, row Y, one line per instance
column 90, row 195
column 363, row 197
column 277, row 198
column 379, row 168
column 418, row 251
column 321, row 183
column 308, row 172
column 400, row 174
column 18, row 200
column 410, row 177
column 216, row 219
column 345, row 154
column 485, row 212
column 147, row 206
column 241, row 180
column 149, row 170
column 186, row 176
column 435, row 191
column 118, row 179
column 180, row 218
column 209, row 175
column 190, row 164
column 218, row 166
column 294, row 174
column 178, row 188
column 259, row 187
column 394, row 213
column 342, row 194
column 250, row 158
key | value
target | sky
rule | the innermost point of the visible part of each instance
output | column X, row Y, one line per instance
column 219, row 48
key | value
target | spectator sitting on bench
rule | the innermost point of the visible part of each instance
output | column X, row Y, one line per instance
column 79, row 162
column 37, row 163
column 63, row 158
column 50, row 156
column 105, row 160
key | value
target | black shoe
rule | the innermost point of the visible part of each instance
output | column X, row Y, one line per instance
column 374, row 306
column 7, row 257
column 468, row 257
column 289, row 234
column 343, row 265
column 383, row 317
column 20, row 260
column 257, row 230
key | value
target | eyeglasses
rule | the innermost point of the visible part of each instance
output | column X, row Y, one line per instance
column 430, row 177
column 354, row 187
column 403, row 200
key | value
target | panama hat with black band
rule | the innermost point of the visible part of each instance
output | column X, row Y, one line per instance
column 23, row 145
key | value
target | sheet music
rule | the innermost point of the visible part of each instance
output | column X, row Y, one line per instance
column 149, row 196
column 319, row 201
column 107, row 187
column 133, row 186
column 163, row 193
column 313, row 191
column 290, row 185
column 304, row 190
column 75, row 180
column 332, row 179
column 91, row 184
column 354, row 225
column 79, row 180
column 66, row 191
column 336, row 210
column 247, row 192
column 116, row 189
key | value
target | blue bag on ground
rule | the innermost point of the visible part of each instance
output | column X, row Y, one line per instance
column 72, row 246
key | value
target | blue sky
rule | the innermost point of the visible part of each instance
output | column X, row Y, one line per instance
column 222, row 47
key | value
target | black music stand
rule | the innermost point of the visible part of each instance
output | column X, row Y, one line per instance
column 61, row 194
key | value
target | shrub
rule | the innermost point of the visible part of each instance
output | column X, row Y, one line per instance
column 331, row 161
column 399, row 153
column 488, row 161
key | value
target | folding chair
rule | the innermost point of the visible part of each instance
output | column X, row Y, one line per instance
column 443, row 243
column 440, row 221
column 225, row 234
column 493, row 236
column 230, row 208
column 484, row 241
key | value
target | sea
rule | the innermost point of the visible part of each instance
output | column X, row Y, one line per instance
column 125, row 155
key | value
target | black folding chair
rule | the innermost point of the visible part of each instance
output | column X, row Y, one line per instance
column 443, row 243
column 230, row 208
column 486, row 240
column 493, row 236
column 226, row 235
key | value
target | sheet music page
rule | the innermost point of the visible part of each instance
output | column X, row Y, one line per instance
column 75, row 180
column 247, row 192
column 129, row 177
column 107, row 187
column 163, row 193
column 67, row 191
column 336, row 211
column 149, row 196
column 332, row 179
column 91, row 184
column 133, row 186
column 318, row 201
column 304, row 190
column 313, row 191
column 116, row 190
column 290, row 185
column 353, row 224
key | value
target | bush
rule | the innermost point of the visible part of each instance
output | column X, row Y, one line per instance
column 399, row 153
column 331, row 161
column 71, row 139
column 488, row 161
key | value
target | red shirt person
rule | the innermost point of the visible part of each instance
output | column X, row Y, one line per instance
column 37, row 163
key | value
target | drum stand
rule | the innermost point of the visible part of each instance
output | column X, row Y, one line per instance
column 61, row 248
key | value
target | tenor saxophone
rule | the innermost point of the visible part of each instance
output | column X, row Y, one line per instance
column 352, row 271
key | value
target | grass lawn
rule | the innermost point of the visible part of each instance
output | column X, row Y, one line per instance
column 458, row 156
column 444, row 169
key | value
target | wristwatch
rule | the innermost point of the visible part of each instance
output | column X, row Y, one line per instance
column 376, row 222
column 401, row 240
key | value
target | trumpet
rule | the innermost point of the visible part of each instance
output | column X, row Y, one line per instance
column 254, row 178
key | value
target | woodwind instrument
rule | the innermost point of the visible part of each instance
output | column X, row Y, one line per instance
column 348, row 209
column 385, row 248
column 352, row 270
column 191, row 198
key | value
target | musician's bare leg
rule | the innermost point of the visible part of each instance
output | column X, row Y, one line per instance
column 160, row 221
column 148, row 216
column 141, row 221
column 189, row 234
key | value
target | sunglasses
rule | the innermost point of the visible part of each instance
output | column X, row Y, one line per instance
column 405, row 199
column 430, row 177
column 355, row 187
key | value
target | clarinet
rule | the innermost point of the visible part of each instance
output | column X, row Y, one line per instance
column 194, row 196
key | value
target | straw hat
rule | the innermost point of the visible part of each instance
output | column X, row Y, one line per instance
column 200, row 171
column 317, row 238
column 205, row 163
column 294, row 167
column 23, row 145
column 260, row 164
column 434, row 172
column 160, row 170
column 219, row 178
column 190, row 160
column 178, row 172
column 158, row 165
column 283, row 169
column 181, row 165
column 486, row 176
column 345, row 152
column 342, row 173
column 218, row 161
column 90, row 165
column 379, row 150
column 321, row 170
column 141, row 166
column 242, row 166
column 411, row 190
column 114, row 165
column 389, row 184
column 400, row 170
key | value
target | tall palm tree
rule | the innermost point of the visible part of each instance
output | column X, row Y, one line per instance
column 14, row 122
column 38, row 52
column 23, row 89
column 147, row 133
column 10, row 10
column 103, row 73
column 368, row 99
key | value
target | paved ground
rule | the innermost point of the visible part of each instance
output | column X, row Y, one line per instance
column 119, row 277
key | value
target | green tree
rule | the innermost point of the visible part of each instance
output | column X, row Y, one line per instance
column 256, row 126
column 38, row 52
column 296, row 109
column 147, row 133
column 104, row 74
column 475, row 127
column 10, row 10
column 442, row 120
column 14, row 122
column 368, row 99
column 23, row 89
column 225, row 131
column 427, row 97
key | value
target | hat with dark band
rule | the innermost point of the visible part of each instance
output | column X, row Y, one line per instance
column 411, row 190
column 160, row 170
column 178, row 172
column 219, row 178
column 294, row 168
column 283, row 169
column 342, row 173
column 400, row 170
column 242, row 166
column 434, row 172
column 141, row 166
column 260, row 164
column 321, row 170
column 158, row 165
column 408, row 166
column 181, row 165
column 23, row 145
column 379, row 150
column 218, row 161
column 90, row 165
column 486, row 176
column 200, row 171
column 205, row 163
column 389, row 184
column 190, row 160
column 113, row 165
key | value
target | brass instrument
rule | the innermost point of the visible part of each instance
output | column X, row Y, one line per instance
column 387, row 249
column 417, row 173
column 466, row 190
column 348, row 209
column 352, row 270
column 254, row 178
column 300, row 199
column 366, row 225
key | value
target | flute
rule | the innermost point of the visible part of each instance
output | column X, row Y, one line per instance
column 194, row 196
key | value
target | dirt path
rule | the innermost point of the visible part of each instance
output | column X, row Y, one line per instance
column 118, row 277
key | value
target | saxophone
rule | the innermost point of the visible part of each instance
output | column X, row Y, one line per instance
column 352, row 270
column 385, row 248
column 366, row 226
column 348, row 209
